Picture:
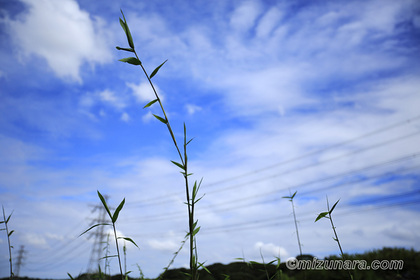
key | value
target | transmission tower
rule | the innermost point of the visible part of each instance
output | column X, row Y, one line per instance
column 20, row 258
column 98, row 235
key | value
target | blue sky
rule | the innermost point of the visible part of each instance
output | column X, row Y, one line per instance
column 317, row 97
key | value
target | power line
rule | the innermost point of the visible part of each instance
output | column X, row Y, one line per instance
column 159, row 217
column 380, row 130
column 310, row 215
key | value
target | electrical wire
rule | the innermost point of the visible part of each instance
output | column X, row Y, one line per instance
column 149, row 201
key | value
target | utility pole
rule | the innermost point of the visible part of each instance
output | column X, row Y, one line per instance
column 99, row 237
column 20, row 258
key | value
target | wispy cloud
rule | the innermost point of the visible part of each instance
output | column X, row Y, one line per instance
column 321, row 98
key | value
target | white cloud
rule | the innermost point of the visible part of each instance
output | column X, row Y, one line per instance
column 244, row 16
column 164, row 245
column 268, row 22
column 63, row 34
column 125, row 117
column 271, row 250
column 192, row 109
column 35, row 240
column 147, row 117
column 143, row 92
column 112, row 99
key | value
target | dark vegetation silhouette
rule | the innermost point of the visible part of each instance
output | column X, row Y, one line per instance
column 259, row 271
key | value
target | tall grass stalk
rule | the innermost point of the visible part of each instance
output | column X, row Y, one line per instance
column 114, row 218
column 191, row 194
column 6, row 228
column 329, row 216
column 294, row 217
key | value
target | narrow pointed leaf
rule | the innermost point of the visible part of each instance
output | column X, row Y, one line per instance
column 205, row 268
column 127, row 31
column 196, row 231
column 293, row 195
column 157, row 69
column 194, row 225
column 161, row 119
column 103, row 224
column 131, row 60
column 107, row 257
column 125, row 49
column 105, row 205
column 178, row 164
column 190, row 141
column 270, row 263
column 8, row 218
column 197, row 200
column 10, row 233
column 334, row 206
column 321, row 215
column 150, row 103
column 117, row 211
column 71, row 277
column 129, row 240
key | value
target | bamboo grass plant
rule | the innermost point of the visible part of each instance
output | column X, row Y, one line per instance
column 191, row 194
column 328, row 215
column 290, row 198
column 6, row 228
column 114, row 218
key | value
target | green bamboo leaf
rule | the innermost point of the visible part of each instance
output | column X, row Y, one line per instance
column 205, row 268
column 194, row 224
column 270, row 263
column 161, row 119
column 131, row 60
column 151, row 103
column 190, row 141
column 124, row 25
column 103, row 224
column 106, row 257
column 196, row 188
column 71, row 277
column 157, row 69
column 293, row 195
column 10, row 233
column 334, row 206
column 196, row 231
column 117, row 211
column 104, row 204
column 197, row 200
column 321, row 215
column 125, row 49
column 178, row 164
column 129, row 240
